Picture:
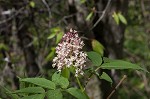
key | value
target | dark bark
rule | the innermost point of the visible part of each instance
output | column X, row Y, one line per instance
column 11, row 73
column 29, row 53
column 23, row 21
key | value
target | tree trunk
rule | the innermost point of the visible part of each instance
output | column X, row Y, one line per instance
column 23, row 21
column 110, row 35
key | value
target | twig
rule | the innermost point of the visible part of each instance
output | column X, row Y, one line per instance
column 49, row 11
column 124, row 77
column 103, row 13
column 66, row 17
column 79, row 84
column 91, row 75
column 11, row 17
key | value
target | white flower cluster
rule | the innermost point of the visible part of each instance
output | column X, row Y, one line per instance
column 69, row 53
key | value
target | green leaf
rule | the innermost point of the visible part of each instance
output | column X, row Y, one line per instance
column 122, row 18
column 116, row 18
column 35, row 41
column 40, row 82
column 106, row 77
column 95, row 58
column 9, row 93
column 36, row 96
column 60, row 80
column 77, row 93
column 89, row 16
column 21, row 84
column 54, row 94
column 82, row 1
column 59, row 37
column 58, row 32
column 97, row 47
column 107, row 60
column 30, row 90
column 55, row 77
column 119, row 64
column 64, row 83
column 66, row 73
column 51, row 54
column 4, row 47
column 32, row 4
column 55, row 30
column 52, row 35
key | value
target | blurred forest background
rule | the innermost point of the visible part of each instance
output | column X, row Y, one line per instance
column 31, row 29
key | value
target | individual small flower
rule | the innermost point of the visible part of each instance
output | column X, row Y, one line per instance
column 69, row 53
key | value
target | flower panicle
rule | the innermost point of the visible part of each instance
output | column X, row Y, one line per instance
column 69, row 53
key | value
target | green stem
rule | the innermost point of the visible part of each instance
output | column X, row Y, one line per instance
column 91, row 76
column 78, row 81
column 97, row 69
